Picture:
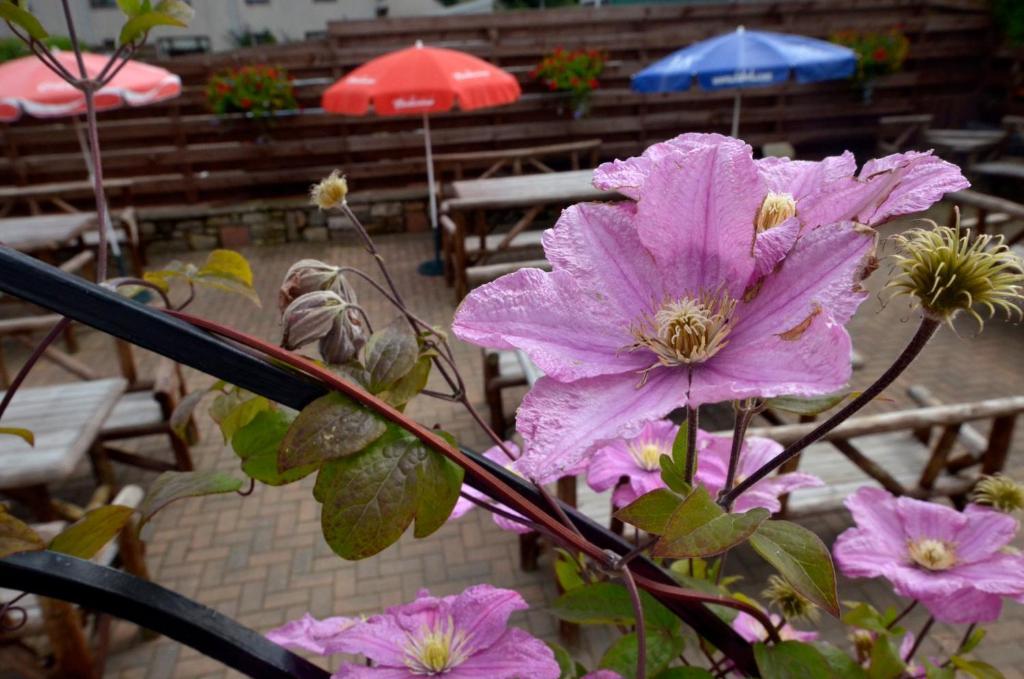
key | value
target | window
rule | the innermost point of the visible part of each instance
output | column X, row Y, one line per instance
column 257, row 2
column 103, row 4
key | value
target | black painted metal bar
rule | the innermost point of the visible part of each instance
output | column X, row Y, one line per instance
column 99, row 588
column 149, row 328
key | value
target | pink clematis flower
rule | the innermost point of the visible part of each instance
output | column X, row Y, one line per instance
column 807, row 194
column 638, row 459
column 952, row 562
column 463, row 505
column 649, row 307
column 308, row 633
column 713, row 466
column 748, row 627
column 457, row 637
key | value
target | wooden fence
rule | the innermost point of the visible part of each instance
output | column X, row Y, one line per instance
column 182, row 154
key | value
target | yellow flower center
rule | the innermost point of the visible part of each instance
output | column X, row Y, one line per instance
column 435, row 650
column 647, row 455
column 776, row 208
column 685, row 331
column 933, row 555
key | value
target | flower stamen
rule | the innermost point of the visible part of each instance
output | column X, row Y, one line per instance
column 686, row 331
column 931, row 554
column 646, row 454
column 776, row 208
column 435, row 650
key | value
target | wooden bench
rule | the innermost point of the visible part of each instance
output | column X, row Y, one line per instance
column 899, row 133
column 989, row 211
column 925, row 452
column 517, row 159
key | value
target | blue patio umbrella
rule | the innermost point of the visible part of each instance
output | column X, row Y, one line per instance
column 743, row 59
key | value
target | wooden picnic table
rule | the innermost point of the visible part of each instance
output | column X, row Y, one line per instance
column 55, row 193
column 1010, row 169
column 66, row 420
column 44, row 232
column 466, row 213
column 964, row 146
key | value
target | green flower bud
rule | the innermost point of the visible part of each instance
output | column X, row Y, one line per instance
column 946, row 272
column 788, row 601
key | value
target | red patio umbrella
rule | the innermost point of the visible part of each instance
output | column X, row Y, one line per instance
column 27, row 85
column 422, row 80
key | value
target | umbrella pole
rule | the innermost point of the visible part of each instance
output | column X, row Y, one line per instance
column 736, row 113
column 433, row 267
column 115, row 248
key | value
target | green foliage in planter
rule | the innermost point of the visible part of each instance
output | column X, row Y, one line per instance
column 1009, row 17
column 13, row 48
column 878, row 52
column 260, row 90
column 575, row 71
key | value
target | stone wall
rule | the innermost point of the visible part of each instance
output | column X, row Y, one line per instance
column 205, row 226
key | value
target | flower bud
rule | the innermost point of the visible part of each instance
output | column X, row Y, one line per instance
column 310, row 317
column 946, row 272
column 999, row 492
column 346, row 337
column 307, row 275
column 788, row 601
column 330, row 192
column 776, row 208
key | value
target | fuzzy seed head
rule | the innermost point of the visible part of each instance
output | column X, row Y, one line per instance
column 788, row 601
column 330, row 192
column 947, row 271
column 999, row 492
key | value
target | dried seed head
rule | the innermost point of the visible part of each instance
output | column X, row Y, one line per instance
column 788, row 601
column 330, row 192
column 947, row 271
column 999, row 492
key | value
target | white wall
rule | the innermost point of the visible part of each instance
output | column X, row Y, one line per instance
column 287, row 19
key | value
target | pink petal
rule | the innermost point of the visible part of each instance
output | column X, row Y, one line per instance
column 877, row 542
column 628, row 176
column 985, row 533
column 357, row 671
column 311, row 634
column 609, row 464
column 965, row 607
column 815, row 363
column 772, row 245
column 569, row 334
column 696, row 214
column 481, row 614
column 858, row 554
column 515, row 654
column 921, row 583
column 928, row 520
column 510, row 525
column 598, row 245
column 766, row 493
column 757, row 451
column 380, row 638
column 804, row 179
column 923, row 180
column 562, row 422
column 998, row 574
column 602, row 674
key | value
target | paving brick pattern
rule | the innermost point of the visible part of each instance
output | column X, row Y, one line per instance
column 262, row 561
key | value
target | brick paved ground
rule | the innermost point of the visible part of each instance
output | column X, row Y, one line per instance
column 262, row 561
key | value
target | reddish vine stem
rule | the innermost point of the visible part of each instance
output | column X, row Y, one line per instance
column 641, row 625
column 33, row 358
column 495, row 487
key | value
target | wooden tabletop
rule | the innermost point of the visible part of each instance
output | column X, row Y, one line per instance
column 65, row 418
column 59, row 188
column 530, row 189
column 44, row 231
column 1000, row 168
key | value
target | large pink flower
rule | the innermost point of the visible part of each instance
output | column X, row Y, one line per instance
column 457, row 637
column 952, row 562
column 713, row 453
column 495, row 454
column 638, row 459
column 650, row 306
column 308, row 633
column 748, row 627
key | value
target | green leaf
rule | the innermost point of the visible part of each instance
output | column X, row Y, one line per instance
column 679, row 445
column 673, row 476
column 414, row 381
column 391, row 353
column 87, row 536
column 608, row 603
column 885, row 659
column 370, row 498
column 257, row 444
column 440, row 481
column 228, row 271
column 182, row 413
column 933, row 672
column 685, row 673
column 839, row 661
column 567, row 571
column 790, row 660
column 706, row 587
column 699, row 527
column 976, row 668
column 651, row 512
column 866, row 617
column 972, row 641
column 331, row 427
column 808, row 406
column 24, row 434
column 172, row 486
column 566, row 665
column 16, row 535
column 801, row 558
column 235, row 409
column 166, row 13
column 130, row 7
column 662, row 647
column 18, row 16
